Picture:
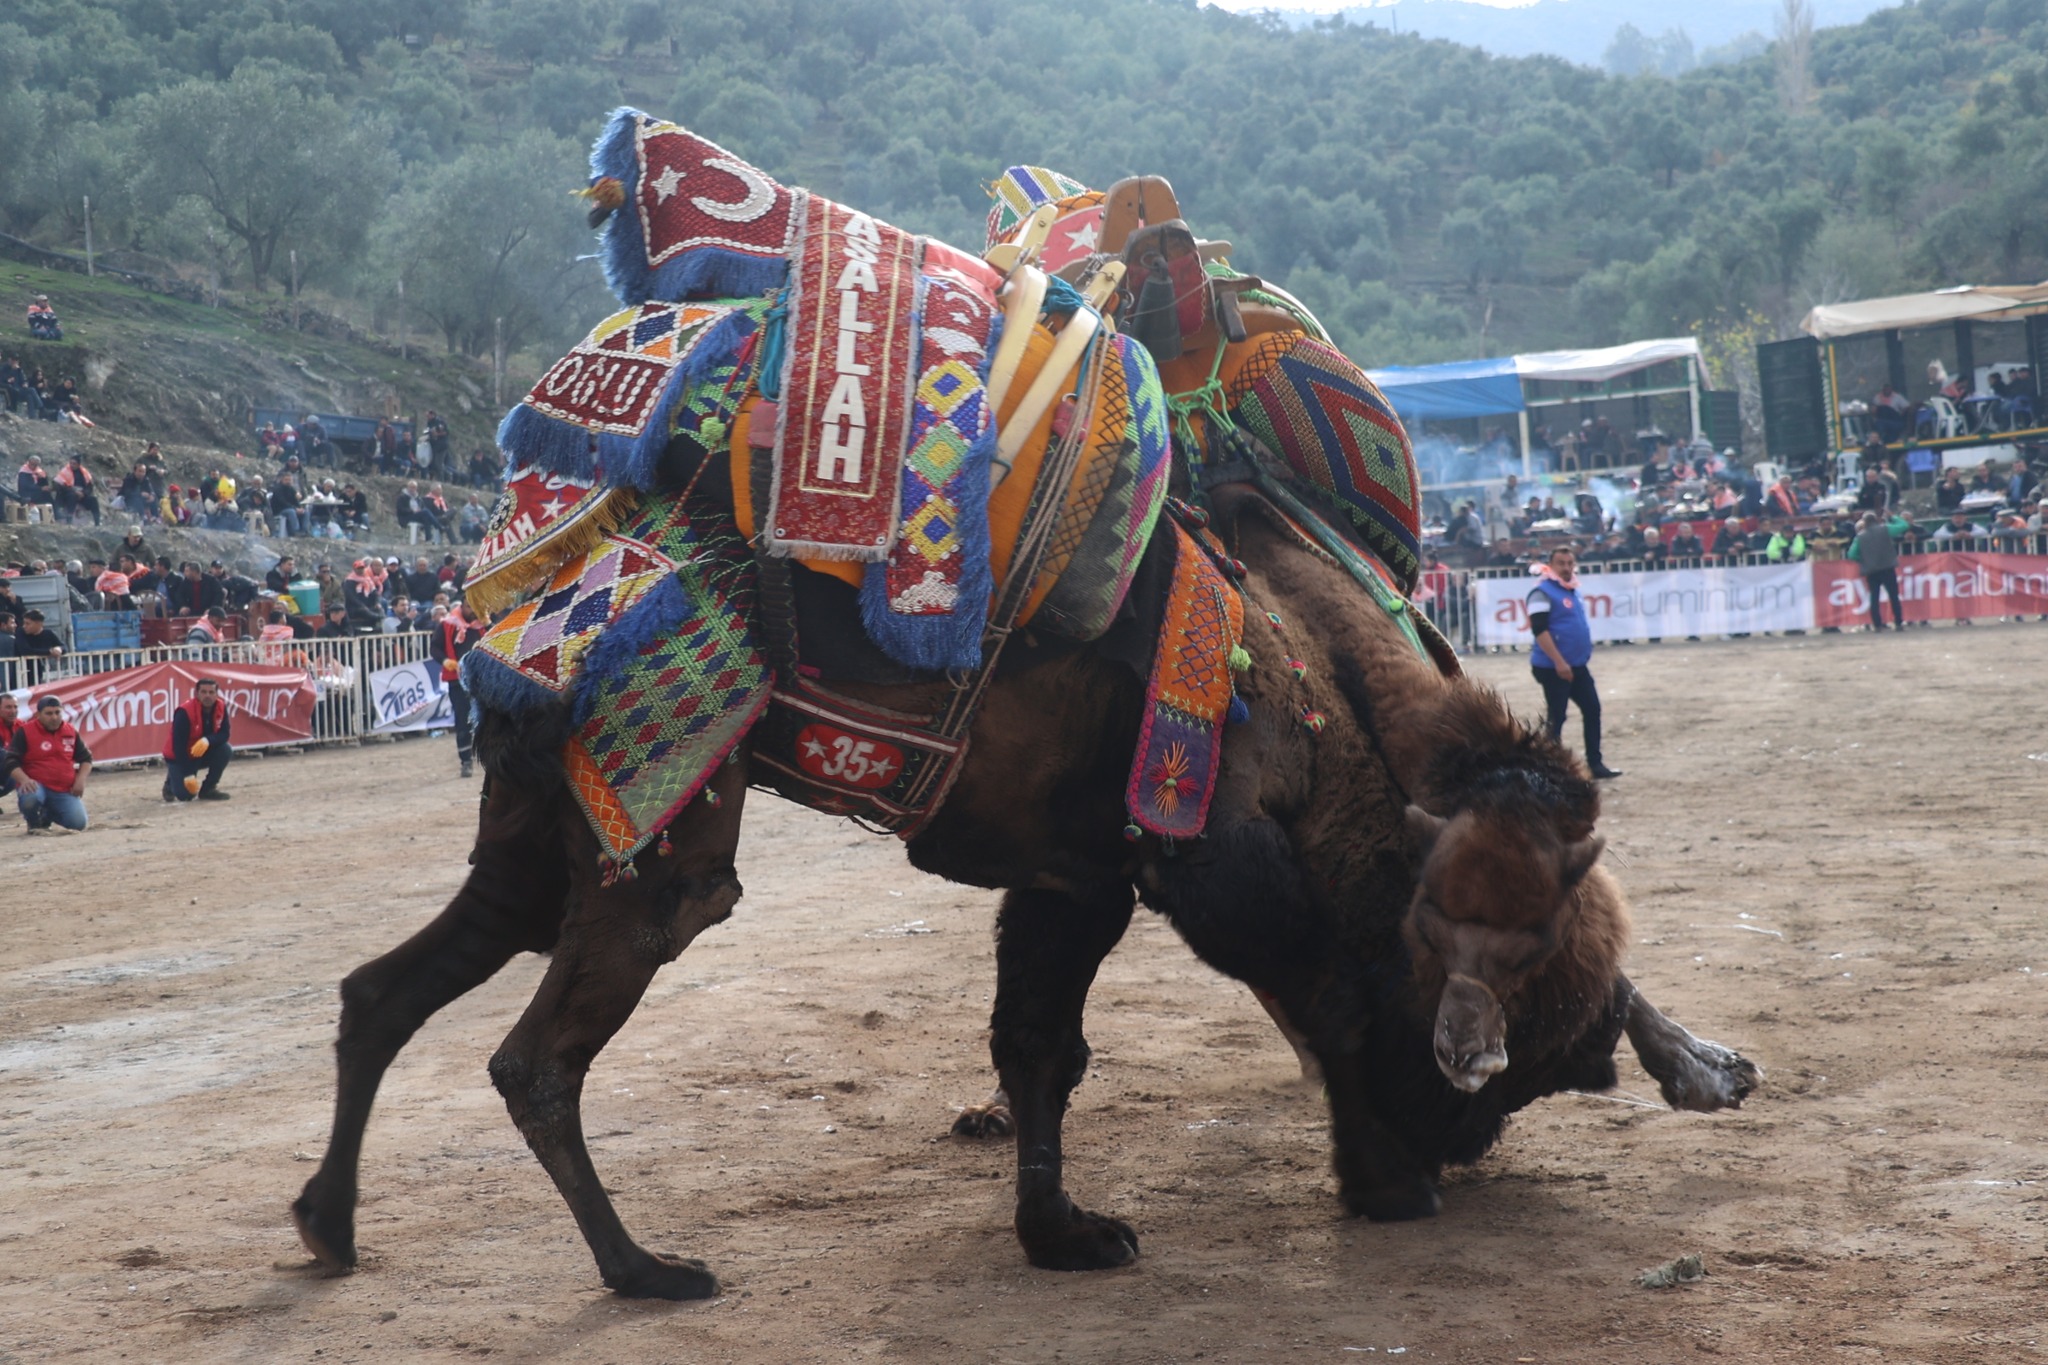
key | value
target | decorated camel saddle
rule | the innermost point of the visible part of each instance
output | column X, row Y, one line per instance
column 813, row 448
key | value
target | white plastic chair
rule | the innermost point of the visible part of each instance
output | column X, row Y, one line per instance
column 1947, row 421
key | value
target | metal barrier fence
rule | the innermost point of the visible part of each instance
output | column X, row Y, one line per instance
column 340, row 669
column 1453, row 611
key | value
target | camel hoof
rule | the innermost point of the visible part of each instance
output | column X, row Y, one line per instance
column 1706, row 1076
column 662, row 1276
column 1081, row 1241
column 332, row 1241
column 985, row 1121
column 1403, row 1201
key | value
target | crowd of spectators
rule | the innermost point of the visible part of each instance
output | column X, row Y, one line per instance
column 1692, row 506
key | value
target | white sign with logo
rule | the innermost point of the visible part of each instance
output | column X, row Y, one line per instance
column 1663, row 603
column 410, row 697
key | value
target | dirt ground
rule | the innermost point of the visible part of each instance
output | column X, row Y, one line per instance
column 1834, row 847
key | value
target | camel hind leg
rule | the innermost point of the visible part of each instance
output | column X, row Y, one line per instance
column 1048, row 947
column 612, row 943
column 511, row 903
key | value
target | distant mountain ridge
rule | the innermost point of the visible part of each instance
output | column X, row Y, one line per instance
column 1579, row 30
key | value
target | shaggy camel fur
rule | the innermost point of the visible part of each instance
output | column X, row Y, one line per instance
column 1415, row 887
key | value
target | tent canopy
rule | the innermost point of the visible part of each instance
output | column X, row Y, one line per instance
column 1921, row 310
column 1462, row 388
column 1484, row 388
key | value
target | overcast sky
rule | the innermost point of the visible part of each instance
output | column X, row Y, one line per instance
column 1579, row 30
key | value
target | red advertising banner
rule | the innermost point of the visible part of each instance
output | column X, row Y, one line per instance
column 126, row 714
column 1951, row 586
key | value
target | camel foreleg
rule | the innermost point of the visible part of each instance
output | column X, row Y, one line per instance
column 615, row 939
column 1692, row 1072
column 1048, row 946
column 511, row 903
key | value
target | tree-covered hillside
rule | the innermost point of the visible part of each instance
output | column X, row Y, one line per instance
column 1430, row 201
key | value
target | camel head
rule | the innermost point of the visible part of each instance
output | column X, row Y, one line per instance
column 1491, row 904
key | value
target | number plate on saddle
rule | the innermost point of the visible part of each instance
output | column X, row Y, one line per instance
column 847, row 757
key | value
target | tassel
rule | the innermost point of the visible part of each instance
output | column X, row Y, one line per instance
column 1197, row 516
column 1312, row 720
column 1297, row 667
column 663, row 848
column 1241, row 659
column 1133, row 833
column 611, row 875
column 1274, row 618
column 1235, row 568
column 606, row 195
column 1239, row 712
column 713, row 799
column 713, row 435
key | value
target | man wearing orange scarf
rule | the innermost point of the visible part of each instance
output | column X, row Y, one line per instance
column 454, row 635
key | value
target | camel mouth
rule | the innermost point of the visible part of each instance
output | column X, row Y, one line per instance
column 1471, row 1034
column 1471, row 1072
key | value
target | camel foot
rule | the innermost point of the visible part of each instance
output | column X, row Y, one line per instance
column 1704, row 1076
column 330, row 1238
column 661, row 1276
column 1692, row 1072
column 990, row 1119
column 1401, row 1201
column 1077, row 1240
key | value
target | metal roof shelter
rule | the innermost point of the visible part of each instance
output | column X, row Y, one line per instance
column 1521, row 384
column 1819, row 389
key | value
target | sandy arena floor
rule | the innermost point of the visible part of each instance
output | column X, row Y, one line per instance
column 1837, row 858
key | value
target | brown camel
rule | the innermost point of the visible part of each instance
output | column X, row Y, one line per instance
column 1414, row 884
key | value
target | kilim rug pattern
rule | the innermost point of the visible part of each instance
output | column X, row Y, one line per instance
column 540, row 520
column 696, row 220
column 1309, row 405
column 1187, row 698
column 927, row 605
column 657, row 718
column 851, row 369
column 541, row 642
column 610, row 401
column 1113, row 502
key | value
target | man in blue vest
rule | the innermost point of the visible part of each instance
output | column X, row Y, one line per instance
column 1563, row 652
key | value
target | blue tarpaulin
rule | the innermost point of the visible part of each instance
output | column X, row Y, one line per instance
column 1462, row 388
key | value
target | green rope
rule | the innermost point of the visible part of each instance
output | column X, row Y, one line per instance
column 1206, row 399
column 1353, row 560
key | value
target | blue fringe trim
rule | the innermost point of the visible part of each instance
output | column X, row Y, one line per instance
column 952, row 640
column 533, row 438
column 632, row 461
column 501, row 687
column 934, row 643
column 702, row 272
column 664, row 611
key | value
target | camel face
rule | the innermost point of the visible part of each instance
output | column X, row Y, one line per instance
column 1489, row 912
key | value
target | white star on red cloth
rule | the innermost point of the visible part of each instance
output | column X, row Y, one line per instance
column 665, row 183
column 882, row 767
column 1085, row 237
column 553, row 507
column 814, row 749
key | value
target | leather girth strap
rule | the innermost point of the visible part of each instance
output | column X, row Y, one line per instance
column 885, row 769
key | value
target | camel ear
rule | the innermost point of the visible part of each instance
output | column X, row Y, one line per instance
column 1423, row 828
column 1578, row 860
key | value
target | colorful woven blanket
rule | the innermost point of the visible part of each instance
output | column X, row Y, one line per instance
column 541, row 520
column 851, row 367
column 927, row 605
column 649, row 640
column 694, row 220
column 1189, row 695
column 1309, row 405
column 611, row 403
